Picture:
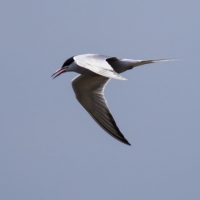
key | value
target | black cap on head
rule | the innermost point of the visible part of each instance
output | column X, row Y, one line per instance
column 68, row 61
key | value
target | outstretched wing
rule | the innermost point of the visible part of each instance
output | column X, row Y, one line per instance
column 143, row 62
column 97, row 64
column 89, row 92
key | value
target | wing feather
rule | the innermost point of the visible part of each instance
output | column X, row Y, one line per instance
column 89, row 91
column 97, row 64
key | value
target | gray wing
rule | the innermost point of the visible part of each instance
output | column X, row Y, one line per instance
column 121, row 65
column 143, row 62
column 98, row 64
column 89, row 92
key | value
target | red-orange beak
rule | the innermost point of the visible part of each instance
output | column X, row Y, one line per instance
column 58, row 72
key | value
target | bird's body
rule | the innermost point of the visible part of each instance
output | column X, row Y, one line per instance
column 95, row 71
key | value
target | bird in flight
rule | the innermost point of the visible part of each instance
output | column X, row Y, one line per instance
column 95, row 71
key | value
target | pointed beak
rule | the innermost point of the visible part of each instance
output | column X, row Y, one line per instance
column 58, row 72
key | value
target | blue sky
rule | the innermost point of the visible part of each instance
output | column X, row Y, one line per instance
column 50, row 148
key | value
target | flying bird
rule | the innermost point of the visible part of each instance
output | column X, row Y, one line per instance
column 95, row 71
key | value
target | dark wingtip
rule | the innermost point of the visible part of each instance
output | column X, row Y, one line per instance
column 126, row 142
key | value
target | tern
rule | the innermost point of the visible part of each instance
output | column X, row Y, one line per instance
column 95, row 71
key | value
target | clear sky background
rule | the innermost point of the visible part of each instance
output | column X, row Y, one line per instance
column 50, row 148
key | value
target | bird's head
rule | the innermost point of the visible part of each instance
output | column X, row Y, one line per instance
column 67, row 65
